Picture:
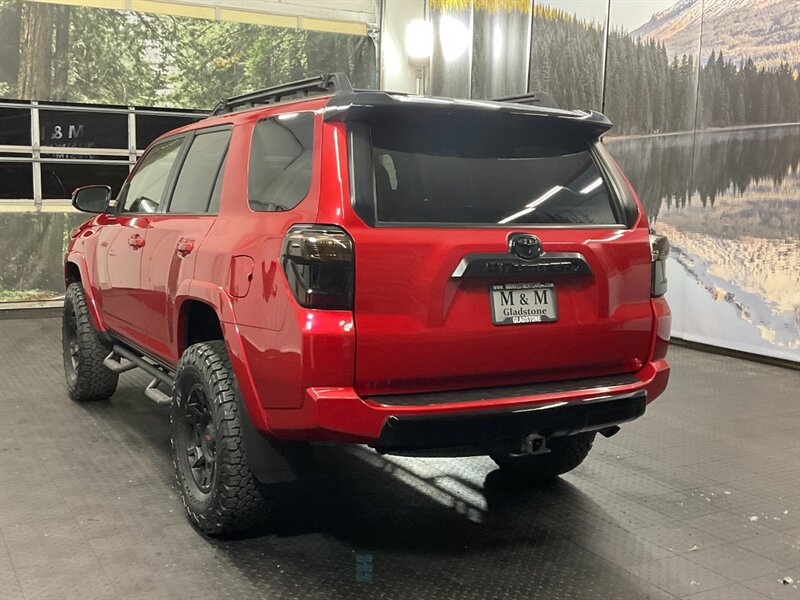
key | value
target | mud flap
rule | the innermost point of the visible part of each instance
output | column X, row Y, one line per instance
column 272, row 460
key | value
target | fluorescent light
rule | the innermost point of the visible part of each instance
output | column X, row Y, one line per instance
column 529, row 208
column 592, row 186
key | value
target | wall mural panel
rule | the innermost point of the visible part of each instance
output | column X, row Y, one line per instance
column 80, row 54
column 451, row 63
column 69, row 53
column 499, row 68
column 567, row 51
column 706, row 106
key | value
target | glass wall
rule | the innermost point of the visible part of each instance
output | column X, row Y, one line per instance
column 63, row 52
column 705, row 103
column 74, row 81
column 74, row 145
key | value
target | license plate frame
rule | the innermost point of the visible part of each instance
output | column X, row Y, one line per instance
column 523, row 303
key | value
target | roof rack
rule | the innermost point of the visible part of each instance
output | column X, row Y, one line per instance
column 538, row 98
column 326, row 83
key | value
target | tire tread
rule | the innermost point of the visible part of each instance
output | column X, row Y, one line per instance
column 93, row 381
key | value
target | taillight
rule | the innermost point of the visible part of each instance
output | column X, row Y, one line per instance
column 659, row 251
column 319, row 266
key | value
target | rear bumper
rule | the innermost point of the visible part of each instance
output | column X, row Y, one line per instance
column 471, row 417
column 481, row 432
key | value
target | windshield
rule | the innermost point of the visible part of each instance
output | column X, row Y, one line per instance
column 486, row 175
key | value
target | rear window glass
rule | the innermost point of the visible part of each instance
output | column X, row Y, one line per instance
column 486, row 176
column 279, row 174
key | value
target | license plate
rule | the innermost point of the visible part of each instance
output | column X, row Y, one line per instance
column 516, row 303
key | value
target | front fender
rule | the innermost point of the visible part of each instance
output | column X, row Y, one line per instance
column 77, row 259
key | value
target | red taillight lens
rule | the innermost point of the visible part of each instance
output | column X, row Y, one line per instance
column 319, row 266
column 659, row 251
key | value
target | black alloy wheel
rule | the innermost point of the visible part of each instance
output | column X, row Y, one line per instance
column 200, row 442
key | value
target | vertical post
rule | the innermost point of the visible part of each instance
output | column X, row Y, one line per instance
column 528, row 50
column 131, row 137
column 605, row 59
column 471, row 47
column 37, row 155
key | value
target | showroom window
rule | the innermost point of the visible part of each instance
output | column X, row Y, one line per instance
column 47, row 149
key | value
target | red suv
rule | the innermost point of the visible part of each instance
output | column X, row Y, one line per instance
column 427, row 276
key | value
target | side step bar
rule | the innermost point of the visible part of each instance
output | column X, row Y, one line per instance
column 114, row 362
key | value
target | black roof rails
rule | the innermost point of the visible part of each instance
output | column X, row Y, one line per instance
column 537, row 98
column 326, row 83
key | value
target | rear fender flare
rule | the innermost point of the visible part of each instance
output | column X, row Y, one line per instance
column 270, row 459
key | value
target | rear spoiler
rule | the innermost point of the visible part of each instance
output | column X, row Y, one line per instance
column 367, row 106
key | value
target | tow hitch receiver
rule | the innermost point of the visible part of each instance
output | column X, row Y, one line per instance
column 532, row 444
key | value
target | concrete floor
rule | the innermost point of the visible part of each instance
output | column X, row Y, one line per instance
column 698, row 499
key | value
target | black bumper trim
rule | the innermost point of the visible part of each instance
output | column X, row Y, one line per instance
column 513, row 391
column 497, row 428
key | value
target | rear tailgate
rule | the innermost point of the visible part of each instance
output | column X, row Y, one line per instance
column 446, row 297
column 418, row 328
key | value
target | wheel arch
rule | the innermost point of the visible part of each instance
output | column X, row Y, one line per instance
column 270, row 459
column 217, row 300
column 76, row 271
column 198, row 321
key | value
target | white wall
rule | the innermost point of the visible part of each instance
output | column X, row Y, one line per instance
column 396, row 74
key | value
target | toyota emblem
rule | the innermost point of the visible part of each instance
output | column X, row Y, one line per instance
column 525, row 245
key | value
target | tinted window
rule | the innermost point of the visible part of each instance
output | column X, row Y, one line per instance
column 199, row 172
column 213, row 206
column 279, row 175
column 145, row 189
column 486, row 175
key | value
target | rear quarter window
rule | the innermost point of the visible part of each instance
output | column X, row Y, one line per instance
column 281, row 152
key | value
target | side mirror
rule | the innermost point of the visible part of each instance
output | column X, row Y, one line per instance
column 92, row 198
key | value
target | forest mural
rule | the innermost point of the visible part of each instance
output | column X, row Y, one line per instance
column 81, row 54
column 706, row 104
column 67, row 53
column 705, row 100
column 649, row 91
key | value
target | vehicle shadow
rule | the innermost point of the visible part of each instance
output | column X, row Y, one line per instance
column 459, row 528
column 362, row 524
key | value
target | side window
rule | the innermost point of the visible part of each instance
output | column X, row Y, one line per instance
column 279, row 174
column 213, row 206
column 145, row 189
column 199, row 173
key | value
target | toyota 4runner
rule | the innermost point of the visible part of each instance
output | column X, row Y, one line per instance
column 427, row 276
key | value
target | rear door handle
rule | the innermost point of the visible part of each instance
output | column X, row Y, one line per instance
column 184, row 247
column 136, row 241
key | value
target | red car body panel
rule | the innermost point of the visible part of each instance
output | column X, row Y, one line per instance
column 318, row 374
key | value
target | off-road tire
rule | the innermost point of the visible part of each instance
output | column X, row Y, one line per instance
column 565, row 454
column 87, row 377
column 233, row 499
